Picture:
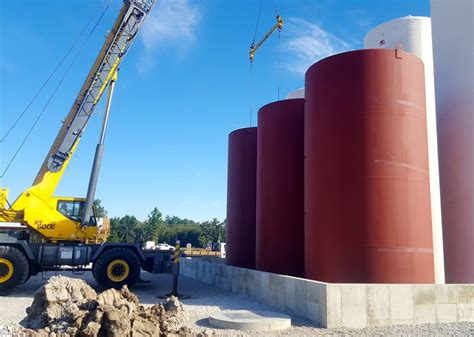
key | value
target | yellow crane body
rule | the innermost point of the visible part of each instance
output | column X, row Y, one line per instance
column 56, row 231
column 56, row 219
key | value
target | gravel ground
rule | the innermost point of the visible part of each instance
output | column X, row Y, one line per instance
column 206, row 299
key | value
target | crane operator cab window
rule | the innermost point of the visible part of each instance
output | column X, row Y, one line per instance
column 73, row 209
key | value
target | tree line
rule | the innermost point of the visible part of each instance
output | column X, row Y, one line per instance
column 161, row 228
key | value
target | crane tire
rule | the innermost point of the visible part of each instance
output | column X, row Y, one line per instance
column 117, row 267
column 14, row 269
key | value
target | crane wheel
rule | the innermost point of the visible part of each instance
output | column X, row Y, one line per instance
column 117, row 267
column 14, row 269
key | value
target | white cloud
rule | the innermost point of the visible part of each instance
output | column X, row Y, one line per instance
column 361, row 18
column 170, row 23
column 307, row 43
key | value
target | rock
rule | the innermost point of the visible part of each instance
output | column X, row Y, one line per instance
column 173, row 306
column 116, row 322
column 144, row 327
column 59, row 300
column 36, row 333
column 69, row 307
column 92, row 325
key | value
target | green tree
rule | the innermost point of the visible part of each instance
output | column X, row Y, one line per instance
column 223, row 231
column 126, row 229
column 166, row 229
column 153, row 226
column 115, row 235
column 210, row 232
column 99, row 210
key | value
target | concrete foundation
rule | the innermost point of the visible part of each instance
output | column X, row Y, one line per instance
column 333, row 305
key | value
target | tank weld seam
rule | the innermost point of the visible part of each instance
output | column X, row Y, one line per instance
column 404, row 249
column 399, row 102
column 379, row 112
column 423, row 181
column 401, row 164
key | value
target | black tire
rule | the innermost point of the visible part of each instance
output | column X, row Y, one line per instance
column 14, row 268
column 116, row 259
column 34, row 270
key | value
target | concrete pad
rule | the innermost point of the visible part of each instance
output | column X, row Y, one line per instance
column 401, row 302
column 250, row 320
column 378, row 305
column 343, row 305
column 353, row 301
column 446, row 313
column 424, row 313
column 333, row 306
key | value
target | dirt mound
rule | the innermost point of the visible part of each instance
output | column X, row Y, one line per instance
column 69, row 307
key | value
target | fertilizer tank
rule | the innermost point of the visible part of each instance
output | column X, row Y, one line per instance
column 241, row 195
column 280, row 188
column 413, row 33
column 367, row 196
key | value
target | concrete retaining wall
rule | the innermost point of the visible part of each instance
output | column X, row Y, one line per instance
column 341, row 305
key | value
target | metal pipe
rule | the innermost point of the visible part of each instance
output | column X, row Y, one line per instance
column 86, row 218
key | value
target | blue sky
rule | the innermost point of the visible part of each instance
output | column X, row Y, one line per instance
column 184, row 85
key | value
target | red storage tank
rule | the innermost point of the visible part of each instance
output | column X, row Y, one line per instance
column 241, row 194
column 367, row 197
column 280, row 188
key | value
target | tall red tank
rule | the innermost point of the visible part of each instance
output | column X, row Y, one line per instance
column 280, row 188
column 367, row 197
column 241, row 195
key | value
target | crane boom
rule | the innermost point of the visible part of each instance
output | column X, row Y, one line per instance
column 253, row 48
column 62, row 218
column 113, row 51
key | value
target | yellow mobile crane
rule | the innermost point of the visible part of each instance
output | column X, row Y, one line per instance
column 59, row 231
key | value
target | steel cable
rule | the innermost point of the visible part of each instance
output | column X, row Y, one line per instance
column 278, row 67
column 274, row 6
column 61, row 61
column 258, row 20
column 54, row 91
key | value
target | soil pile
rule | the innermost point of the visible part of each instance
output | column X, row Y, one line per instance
column 70, row 307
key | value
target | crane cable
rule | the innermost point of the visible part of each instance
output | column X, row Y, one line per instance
column 58, row 65
column 278, row 66
column 275, row 7
column 251, row 63
column 279, row 52
column 258, row 21
column 55, row 89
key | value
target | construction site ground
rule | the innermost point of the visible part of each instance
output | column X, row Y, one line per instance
column 205, row 299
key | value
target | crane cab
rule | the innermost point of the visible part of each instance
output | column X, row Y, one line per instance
column 73, row 208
